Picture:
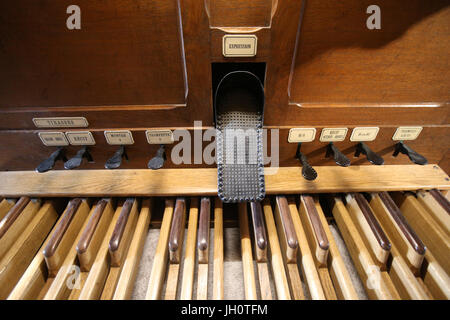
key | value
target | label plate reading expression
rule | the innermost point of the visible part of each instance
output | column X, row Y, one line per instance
column 239, row 45
column 159, row 136
column 53, row 139
column 119, row 137
column 301, row 135
column 364, row 134
column 80, row 138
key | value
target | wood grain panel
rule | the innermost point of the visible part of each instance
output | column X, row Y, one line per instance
column 432, row 143
column 340, row 60
column 110, row 61
column 204, row 181
column 237, row 13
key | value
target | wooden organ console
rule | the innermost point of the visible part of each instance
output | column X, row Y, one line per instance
column 109, row 109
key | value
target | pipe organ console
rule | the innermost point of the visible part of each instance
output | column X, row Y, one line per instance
column 195, row 150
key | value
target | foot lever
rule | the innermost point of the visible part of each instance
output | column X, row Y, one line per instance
column 338, row 156
column 116, row 160
column 76, row 161
column 48, row 163
column 415, row 157
column 157, row 161
column 308, row 171
column 373, row 157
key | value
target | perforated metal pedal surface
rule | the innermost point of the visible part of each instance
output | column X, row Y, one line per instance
column 240, row 162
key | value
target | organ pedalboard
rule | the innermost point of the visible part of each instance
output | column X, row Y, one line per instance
column 224, row 150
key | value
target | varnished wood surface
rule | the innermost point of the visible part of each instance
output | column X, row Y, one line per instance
column 432, row 143
column 204, row 181
column 222, row 13
column 121, row 224
column 436, row 210
column 5, row 206
column 203, row 230
column 187, row 286
column 403, row 225
column 176, row 234
column 259, row 231
column 439, row 197
column 218, row 281
column 77, row 68
column 286, row 230
column 366, row 223
column 339, row 274
column 366, row 267
column 99, row 272
column 319, row 231
column 59, row 288
column 158, row 272
column 247, row 256
column 12, row 215
column 89, row 231
column 380, row 236
column 434, row 237
column 340, row 60
column 397, row 280
column 21, row 253
column 308, row 267
column 62, row 227
column 276, row 257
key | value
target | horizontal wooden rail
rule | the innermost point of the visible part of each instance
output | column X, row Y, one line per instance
column 174, row 182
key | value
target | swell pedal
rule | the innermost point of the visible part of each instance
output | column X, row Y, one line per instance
column 239, row 108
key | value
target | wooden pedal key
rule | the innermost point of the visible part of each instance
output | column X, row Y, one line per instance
column 203, row 248
column 176, row 237
column 64, row 234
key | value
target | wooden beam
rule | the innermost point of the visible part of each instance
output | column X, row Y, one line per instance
column 204, row 181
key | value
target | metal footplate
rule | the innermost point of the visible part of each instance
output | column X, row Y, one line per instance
column 239, row 108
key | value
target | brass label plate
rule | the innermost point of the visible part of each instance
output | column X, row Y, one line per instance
column 80, row 138
column 407, row 133
column 239, row 45
column 53, row 139
column 333, row 134
column 119, row 137
column 61, row 122
column 301, row 135
column 364, row 133
column 159, row 136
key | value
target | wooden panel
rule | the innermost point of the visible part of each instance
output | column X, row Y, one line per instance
column 237, row 13
column 432, row 143
column 204, row 181
column 109, row 61
column 340, row 60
